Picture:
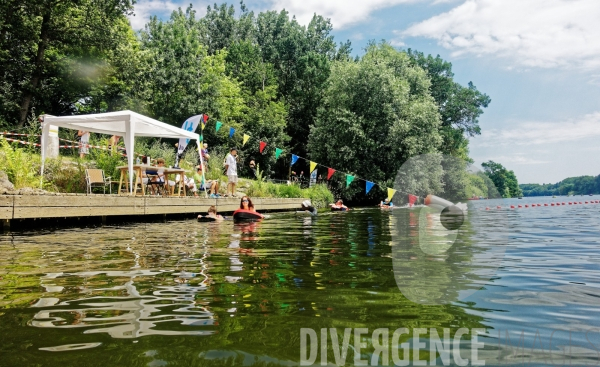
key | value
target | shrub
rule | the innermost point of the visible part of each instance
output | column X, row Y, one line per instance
column 107, row 161
column 21, row 166
column 63, row 175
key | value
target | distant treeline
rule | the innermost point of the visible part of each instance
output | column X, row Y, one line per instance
column 582, row 185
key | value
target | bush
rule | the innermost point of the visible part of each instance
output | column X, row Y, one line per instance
column 21, row 166
column 61, row 175
column 107, row 161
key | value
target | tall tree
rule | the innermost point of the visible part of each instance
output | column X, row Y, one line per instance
column 505, row 180
column 459, row 106
column 40, row 34
column 376, row 113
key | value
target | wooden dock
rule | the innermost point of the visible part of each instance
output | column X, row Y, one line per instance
column 20, row 207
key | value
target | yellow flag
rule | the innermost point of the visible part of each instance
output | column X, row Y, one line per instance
column 313, row 165
column 391, row 193
column 246, row 137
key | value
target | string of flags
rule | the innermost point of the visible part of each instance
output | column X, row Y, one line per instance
column 313, row 165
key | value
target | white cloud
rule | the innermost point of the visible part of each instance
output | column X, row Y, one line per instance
column 538, row 133
column 144, row 9
column 534, row 33
column 342, row 13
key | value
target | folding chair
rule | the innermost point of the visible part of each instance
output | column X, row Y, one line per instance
column 95, row 178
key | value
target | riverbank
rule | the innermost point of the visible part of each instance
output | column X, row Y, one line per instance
column 19, row 210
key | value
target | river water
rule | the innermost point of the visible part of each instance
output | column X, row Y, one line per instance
column 184, row 293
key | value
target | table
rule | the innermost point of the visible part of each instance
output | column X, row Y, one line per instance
column 139, row 168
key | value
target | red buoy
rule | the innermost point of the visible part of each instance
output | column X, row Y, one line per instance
column 527, row 206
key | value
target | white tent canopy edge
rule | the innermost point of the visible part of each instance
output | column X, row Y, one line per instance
column 126, row 123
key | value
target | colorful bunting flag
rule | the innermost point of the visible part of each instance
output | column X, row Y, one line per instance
column 349, row 179
column 231, row 132
column 218, row 125
column 313, row 165
column 278, row 153
column 246, row 137
column 391, row 193
column 201, row 137
column 369, row 186
column 262, row 146
column 294, row 159
column 330, row 172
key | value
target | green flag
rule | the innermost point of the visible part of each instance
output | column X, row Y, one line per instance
column 218, row 125
column 349, row 179
column 278, row 152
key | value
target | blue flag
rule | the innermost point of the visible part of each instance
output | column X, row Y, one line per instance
column 369, row 186
column 294, row 159
column 231, row 131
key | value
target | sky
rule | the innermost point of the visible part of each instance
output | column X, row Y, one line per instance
column 538, row 60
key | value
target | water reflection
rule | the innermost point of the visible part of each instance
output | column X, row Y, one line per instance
column 207, row 293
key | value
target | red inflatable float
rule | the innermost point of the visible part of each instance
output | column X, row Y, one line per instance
column 246, row 215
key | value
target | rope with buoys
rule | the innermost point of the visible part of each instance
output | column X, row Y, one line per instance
column 555, row 204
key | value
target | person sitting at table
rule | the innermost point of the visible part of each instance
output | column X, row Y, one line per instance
column 160, row 175
column 211, row 185
column 188, row 182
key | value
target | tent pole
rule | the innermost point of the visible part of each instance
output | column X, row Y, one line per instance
column 44, row 142
column 202, row 166
column 129, row 144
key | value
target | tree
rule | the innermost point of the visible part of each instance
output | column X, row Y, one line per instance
column 459, row 107
column 505, row 181
column 40, row 37
column 376, row 113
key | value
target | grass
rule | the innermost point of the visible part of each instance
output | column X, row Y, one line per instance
column 319, row 195
column 67, row 174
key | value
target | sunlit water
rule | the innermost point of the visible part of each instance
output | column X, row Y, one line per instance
column 185, row 293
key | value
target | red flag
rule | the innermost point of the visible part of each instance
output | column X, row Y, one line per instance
column 330, row 172
column 412, row 199
column 262, row 146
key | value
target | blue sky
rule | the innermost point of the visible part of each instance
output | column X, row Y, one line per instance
column 538, row 60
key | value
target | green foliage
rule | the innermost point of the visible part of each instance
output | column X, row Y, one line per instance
column 505, row 181
column 157, row 149
column 65, row 176
column 459, row 107
column 376, row 114
column 49, row 51
column 108, row 161
column 581, row 185
column 21, row 166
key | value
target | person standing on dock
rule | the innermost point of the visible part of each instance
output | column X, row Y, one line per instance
column 84, row 143
column 231, row 167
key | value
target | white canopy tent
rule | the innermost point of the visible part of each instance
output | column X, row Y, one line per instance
column 127, row 124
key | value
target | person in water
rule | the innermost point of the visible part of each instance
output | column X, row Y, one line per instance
column 212, row 213
column 246, row 204
column 307, row 206
column 339, row 205
column 386, row 204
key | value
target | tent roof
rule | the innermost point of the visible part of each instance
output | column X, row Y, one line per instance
column 115, row 123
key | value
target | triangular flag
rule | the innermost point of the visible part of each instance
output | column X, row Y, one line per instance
column 294, row 159
column 313, row 165
column 231, row 132
column 201, row 137
column 330, row 172
column 278, row 152
column 349, row 179
column 369, row 186
column 246, row 137
column 391, row 193
column 262, row 146
column 205, row 118
column 218, row 125
column 203, row 124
